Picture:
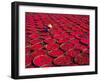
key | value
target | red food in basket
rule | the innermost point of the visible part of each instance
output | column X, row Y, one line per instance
column 74, row 41
column 38, row 52
column 35, row 41
column 49, row 40
column 77, row 46
column 27, row 50
column 55, row 53
column 55, row 32
column 48, row 65
column 27, row 60
column 57, row 36
column 86, row 51
column 52, row 46
column 78, row 35
column 85, row 60
column 61, row 35
column 73, row 53
column 42, row 60
column 36, row 46
column 85, row 41
column 34, row 36
column 67, row 46
column 65, row 40
column 84, row 48
column 65, row 35
column 62, row 60
column 79, row 59
column 71, row 37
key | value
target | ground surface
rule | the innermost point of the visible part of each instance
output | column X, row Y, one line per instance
column 66, row 43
